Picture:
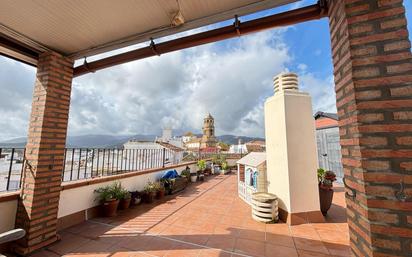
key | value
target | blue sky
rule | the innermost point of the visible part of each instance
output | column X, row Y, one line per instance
column 230, row 79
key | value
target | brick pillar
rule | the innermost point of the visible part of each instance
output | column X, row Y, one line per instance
column 39, row 198
column 373, row 77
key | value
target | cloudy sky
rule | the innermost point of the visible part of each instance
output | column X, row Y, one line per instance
column 229, row 79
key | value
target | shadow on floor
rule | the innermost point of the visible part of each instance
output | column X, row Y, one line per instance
column 207, row 219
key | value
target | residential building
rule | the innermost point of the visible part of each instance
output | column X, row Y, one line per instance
column 172, row 153
column 239, row 148
column 327, row 136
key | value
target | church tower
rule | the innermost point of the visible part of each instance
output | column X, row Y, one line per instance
column 208, row 138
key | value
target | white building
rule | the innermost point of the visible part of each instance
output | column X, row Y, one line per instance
column 173, row 154
column 193, row 144
column 167, row 137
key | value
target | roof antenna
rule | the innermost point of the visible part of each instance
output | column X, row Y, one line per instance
column 153, row 47
column 237, row 25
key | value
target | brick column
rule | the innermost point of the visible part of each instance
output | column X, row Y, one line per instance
column 39, row 199
column 373, row 77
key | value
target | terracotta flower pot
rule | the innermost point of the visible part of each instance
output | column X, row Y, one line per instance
column 325, row 198
column 110, row 208
column 124, row 204
column 160, row 193
column 149, row 197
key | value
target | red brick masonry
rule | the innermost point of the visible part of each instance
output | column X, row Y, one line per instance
column 39, row 199
column 373, row 77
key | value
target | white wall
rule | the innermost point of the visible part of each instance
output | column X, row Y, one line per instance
column 82, row 198
column 291, row 151
column 8, row 211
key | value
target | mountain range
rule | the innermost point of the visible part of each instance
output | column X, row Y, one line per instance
column 110, row 141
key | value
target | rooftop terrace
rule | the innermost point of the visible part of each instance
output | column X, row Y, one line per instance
column 207, row 219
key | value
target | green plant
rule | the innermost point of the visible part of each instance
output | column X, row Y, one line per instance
column 105, row 194
column 326, row 178
column 110, row 192
column 201, row 164
column 158, row 186
column 117, row 189
column 124, row 194
column 150, row 187
column 186, row 172
column 321, row 173
column 216, row 159
column 225, row 166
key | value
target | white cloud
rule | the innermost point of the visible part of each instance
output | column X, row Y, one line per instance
column 230, row 80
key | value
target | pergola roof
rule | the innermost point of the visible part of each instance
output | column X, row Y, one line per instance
column 79, row 28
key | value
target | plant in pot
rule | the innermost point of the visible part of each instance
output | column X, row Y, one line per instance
column 150, row 192
column 160, row 190
column 186, row 173
column 325, row 179
column 201, row 165
column 225, row 168
column 125, row 199
column 136, row 198
column 106, row 195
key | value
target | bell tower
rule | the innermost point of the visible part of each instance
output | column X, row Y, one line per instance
column 208, row 138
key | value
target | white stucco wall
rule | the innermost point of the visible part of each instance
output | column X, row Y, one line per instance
column 82, row 198
column 8, row 211
column 291, row 151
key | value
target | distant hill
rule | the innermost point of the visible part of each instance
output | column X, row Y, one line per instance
column 85, row 141
column 232, row 140
column 108, row 141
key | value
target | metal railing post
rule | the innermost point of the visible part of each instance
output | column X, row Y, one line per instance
column 10, row 167
column 164, row 152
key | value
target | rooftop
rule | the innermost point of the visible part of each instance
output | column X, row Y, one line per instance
column 207, row 219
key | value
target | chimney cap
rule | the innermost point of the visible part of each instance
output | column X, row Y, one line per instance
column 286, row 81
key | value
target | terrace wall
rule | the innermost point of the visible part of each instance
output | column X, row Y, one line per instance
column 77, row 199
column 8, row 207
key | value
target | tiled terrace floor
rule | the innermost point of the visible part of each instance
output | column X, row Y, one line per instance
column 207, row 219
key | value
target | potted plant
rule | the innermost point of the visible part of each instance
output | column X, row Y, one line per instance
column 325, row 179
column 125, row 199
column 225, row 167
column 149, row 192
column 160, row 190
column 186, row 173
column 136, row 198
column 107, row 196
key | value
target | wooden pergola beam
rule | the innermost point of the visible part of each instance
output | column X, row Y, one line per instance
column 303, row 14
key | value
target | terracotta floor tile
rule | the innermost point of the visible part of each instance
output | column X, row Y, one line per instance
column 310, row 245
column 224, row 242
column 304, row 253
column 68, row 243
column 129, row 254
column 93, row 246
column 250, row 247
column 304, row 231
column 333, row 236
column 45, row 253
column 137, row 243
column 252, row 235
column 208, row 214
column 183, row 250
column 276, row 239
column 196, row 237
column 278, row 228
column 337, row 249
column 213, row 253
column 279, row 251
